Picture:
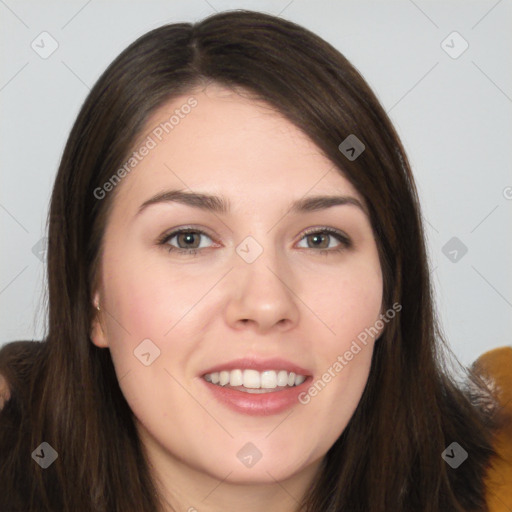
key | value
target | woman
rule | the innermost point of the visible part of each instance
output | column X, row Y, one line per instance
column 240, row 310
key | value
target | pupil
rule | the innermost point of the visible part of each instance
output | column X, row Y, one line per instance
column 189, row 237
column 317, row 238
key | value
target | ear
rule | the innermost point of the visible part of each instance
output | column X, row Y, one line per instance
column 98, row 335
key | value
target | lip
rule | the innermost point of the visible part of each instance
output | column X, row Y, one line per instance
column 258, row 404
column 254, row 363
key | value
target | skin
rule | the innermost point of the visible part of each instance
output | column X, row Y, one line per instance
column 297, row 304
column 5, row 393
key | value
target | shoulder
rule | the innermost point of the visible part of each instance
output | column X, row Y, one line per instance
column 17, row 351
column 17, row 361
column 495, row 367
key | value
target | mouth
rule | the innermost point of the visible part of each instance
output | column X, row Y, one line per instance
column 255, row 386
column 254, row 381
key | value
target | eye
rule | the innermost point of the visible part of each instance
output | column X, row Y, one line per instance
column 189, row 240
column 187, row 237
column 320, row 240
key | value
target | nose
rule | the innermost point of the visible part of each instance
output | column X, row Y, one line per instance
column 263, row 294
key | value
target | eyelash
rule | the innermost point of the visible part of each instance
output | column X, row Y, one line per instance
column 345, row 242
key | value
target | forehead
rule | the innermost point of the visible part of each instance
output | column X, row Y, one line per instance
column 228, row 144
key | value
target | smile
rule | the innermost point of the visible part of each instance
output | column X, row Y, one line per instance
column 253, row 381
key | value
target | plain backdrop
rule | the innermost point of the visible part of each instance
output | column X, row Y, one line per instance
column 441, row 69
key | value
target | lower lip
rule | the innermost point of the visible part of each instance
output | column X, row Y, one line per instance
column 258, row 404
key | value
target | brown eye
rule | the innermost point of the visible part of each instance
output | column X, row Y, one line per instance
column 321, row 240
column 188, row 241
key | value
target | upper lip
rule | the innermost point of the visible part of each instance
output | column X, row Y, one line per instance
column 254, row 363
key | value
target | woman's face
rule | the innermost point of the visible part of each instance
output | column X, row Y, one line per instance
column 256, row 290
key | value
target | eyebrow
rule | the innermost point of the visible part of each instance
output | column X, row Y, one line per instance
column 220, row 205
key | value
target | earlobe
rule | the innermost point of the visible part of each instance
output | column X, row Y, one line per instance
column 97, row 335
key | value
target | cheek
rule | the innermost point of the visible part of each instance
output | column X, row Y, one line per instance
column 347, row 302
column 335, row 395
column 148, row 298
column 149, row 301
column 350, row 308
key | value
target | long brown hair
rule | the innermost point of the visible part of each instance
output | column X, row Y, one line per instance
column 389, row 455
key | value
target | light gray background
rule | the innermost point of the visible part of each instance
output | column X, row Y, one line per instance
column 453, row 115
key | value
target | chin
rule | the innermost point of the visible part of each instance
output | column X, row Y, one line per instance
column 275, row 468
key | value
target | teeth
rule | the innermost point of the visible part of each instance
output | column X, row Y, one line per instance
column 282, row 378
column 236, row 378
column 252, row 379
column 223, row 378
column 268, row 379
